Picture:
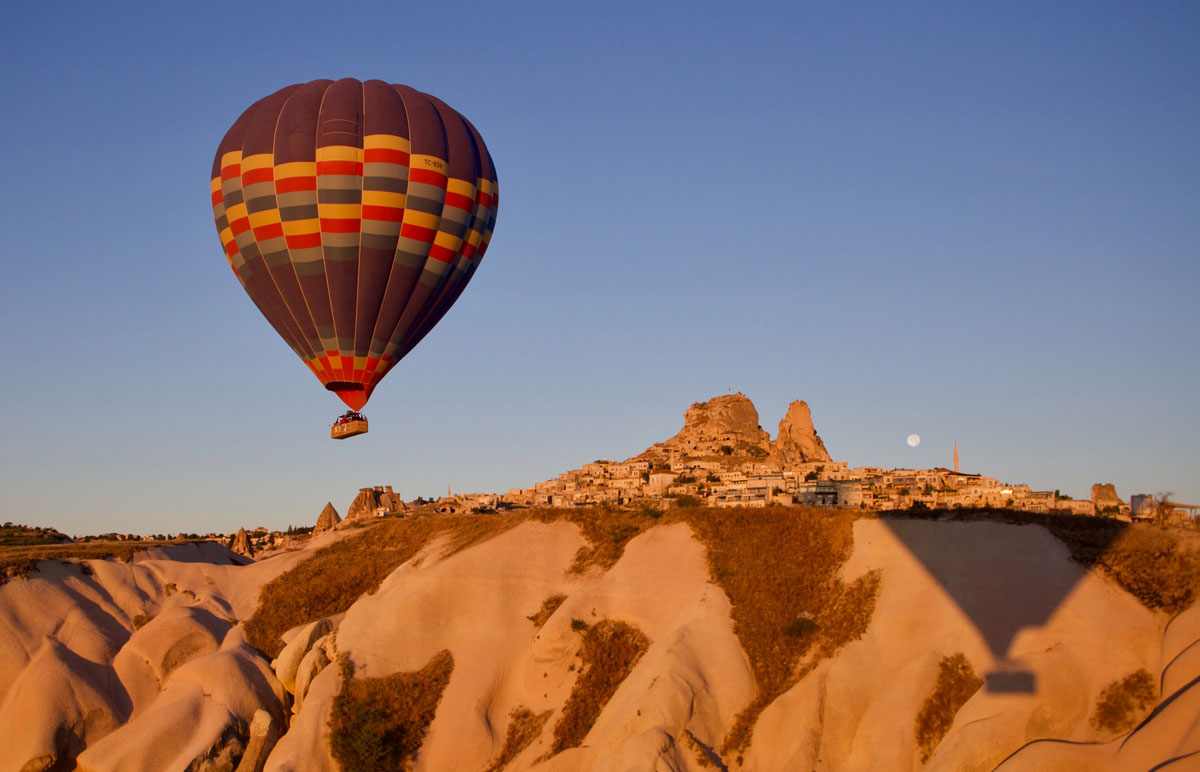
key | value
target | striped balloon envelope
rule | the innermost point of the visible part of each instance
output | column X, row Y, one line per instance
column 353, row 214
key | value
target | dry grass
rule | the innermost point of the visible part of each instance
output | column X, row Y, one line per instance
column 610, row 650
column 339, row 574
column 549, row 606
column 956, row 682
column 333, row 578
column 523, row 728
column 607, row 531
column 1152, row 565
column 1125, row 702
column 779, row 566
column 380, row 723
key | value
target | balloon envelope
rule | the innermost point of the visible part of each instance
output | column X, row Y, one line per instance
column 353, row 214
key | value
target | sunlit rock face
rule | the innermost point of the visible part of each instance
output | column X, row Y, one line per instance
column 797, row 441
column 145, row 665
column 327, row 520
column 725, row 425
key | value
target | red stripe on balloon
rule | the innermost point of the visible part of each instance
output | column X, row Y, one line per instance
column 384, row 213
column 304, row 241
column 385, row 155
column 339, row 167
column 295, row 184
column 331, row 225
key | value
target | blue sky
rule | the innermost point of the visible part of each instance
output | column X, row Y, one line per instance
column 977, row 222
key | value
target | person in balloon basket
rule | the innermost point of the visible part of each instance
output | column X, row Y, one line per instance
column 349, row 416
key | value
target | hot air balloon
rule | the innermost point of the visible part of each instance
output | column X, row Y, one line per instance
column 353, row 214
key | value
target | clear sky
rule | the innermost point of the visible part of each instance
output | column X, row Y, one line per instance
column 979, row 222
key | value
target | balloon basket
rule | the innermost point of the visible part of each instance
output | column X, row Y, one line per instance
column 348, row 429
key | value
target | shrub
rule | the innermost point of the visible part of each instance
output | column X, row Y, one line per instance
column 140, row 621
column 578, row 625
column 610, row 650
column 687, row 501
column 379, row 723
column 1125, row 702
column 648, row 509
column 956, row 682
column 800, row 626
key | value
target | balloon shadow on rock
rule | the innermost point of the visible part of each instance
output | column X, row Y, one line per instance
column 1003, row 591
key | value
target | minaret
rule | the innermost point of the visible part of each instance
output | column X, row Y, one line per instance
column 448, row 487
column 956, row 458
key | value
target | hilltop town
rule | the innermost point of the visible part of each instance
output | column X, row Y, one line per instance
column 723, row 457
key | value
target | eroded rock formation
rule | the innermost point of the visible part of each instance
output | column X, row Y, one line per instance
column 372, row 501
column 327, row 520
column 241, row 544
column 797, row 441
column 724, row 425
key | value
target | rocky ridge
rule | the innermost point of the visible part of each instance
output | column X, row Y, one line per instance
column 727, row 428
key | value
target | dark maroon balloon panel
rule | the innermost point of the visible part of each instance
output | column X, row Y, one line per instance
column 354, row 214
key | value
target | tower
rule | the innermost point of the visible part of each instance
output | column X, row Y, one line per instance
column 956, row 458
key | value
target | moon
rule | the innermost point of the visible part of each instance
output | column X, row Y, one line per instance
column 914, row 440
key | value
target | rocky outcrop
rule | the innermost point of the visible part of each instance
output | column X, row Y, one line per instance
column 375, row 501
column 241, row 544
column 264, row 731
column 327, row 520
column 1104, row 496
column 362, row 506
column 797, row 441
column 725, row 425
